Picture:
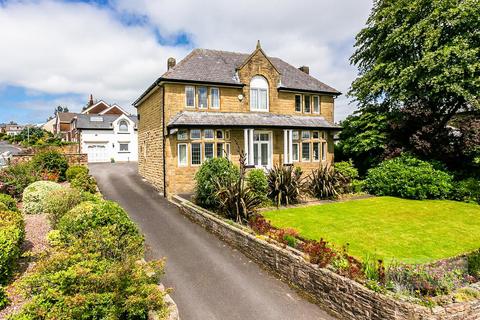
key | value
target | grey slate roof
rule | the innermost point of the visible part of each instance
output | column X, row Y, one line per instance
column 84, row 121
column 247, row 119
column 65, row 117
column 220, row 66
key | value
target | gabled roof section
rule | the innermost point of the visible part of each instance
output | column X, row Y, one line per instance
column 101, row 105
column 257, row 50
column 112, row 108
column 65, row 117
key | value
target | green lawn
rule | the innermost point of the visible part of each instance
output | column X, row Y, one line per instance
column 409, row 231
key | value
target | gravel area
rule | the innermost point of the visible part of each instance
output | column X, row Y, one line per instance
column 36, row 229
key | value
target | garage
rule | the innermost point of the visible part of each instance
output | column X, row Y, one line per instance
column 97, row 152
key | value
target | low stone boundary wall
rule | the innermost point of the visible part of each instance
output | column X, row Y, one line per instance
column 340, row 296
column 72, row 158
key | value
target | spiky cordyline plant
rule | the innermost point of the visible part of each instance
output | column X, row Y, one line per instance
column 325, row 182
column 285, row 185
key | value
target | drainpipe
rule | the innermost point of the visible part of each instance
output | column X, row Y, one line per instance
column 163, row 149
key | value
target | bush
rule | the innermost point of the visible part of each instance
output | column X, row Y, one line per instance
column 84, row 182
column 408, row 177
column 3, row 298
column 102, row 227
column 51, row 162
column 319, row 252
column 76, row 284
column 9, row 202
column 15, row 178
column 212, row 172
column 467, row 190
column 36, row 195
column 326, row 183
column 73, row 171
column 349, row 174
column 12, row 234
column 285, row 185
column 473, row 264
column 59, row 202
column 258, row 184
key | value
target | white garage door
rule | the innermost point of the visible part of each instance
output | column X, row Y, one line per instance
column 97, row 152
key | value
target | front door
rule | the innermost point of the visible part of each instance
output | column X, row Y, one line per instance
column 262, row 149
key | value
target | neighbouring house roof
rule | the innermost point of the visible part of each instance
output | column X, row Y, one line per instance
column 214, row 66
column 65, row 116
column 100, row 122
column 14, row 127
column 247, row 119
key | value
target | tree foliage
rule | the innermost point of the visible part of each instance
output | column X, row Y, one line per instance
column 419, row 67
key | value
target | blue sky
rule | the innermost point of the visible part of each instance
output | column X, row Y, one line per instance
column 58, row 52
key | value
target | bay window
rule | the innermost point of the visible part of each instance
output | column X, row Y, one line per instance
column 196, row 153
column 208, row 151
column 306, row 151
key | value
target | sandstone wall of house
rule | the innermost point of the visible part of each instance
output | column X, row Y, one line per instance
column 342, row 297
column 150, row 139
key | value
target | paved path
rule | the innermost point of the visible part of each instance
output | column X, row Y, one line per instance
column 5, row 146
column 210, row 279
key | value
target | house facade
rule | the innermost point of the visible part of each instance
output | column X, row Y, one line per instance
column 217, row 104
column 105, row 132
column 13, row 129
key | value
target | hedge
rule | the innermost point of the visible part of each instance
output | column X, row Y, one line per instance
column 12, row 234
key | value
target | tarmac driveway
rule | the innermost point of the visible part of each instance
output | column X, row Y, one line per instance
column 211, row 280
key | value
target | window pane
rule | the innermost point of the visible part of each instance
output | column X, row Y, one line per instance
column 227, row 150
column 324, row 151
column 263, row 100
column 220, row 151
column 208, row 150
column 305, row 134
column 255, row 154
column 182, row 154
column 124, row 147
column 316, row 150
column 254, row 99
column 295, row 151
column 315, row 134
column 182, row 134
column 196, row 153
column 208, row 133
column 264, row 158
column 307, row 104
column 305, row 151
column 123, row 127
column 316, row 104
column 295, row 135
column 219, row 134
column 298, row 103
column 195, row 134
column 202, row 97
column 190, row 96
column 215, row 98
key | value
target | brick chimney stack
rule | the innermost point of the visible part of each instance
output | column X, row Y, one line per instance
column 171, row 62
column 90, row 101
column 305, row 69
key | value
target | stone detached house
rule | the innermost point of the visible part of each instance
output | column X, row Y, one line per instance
column 218, row 103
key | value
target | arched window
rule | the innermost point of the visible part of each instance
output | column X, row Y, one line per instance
column 123, row 126
column 258, row 94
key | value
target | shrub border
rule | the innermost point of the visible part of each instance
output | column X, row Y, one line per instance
column 340, row 296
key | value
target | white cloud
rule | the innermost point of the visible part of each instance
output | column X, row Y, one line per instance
column 81, row 48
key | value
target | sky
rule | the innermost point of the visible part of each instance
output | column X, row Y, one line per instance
column 59, row 52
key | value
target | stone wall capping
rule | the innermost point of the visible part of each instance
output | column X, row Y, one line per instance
column 340, row 296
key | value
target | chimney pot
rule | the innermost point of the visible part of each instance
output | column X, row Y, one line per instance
column 171, row 62
column 305, row 69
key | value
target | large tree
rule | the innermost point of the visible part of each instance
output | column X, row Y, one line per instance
column 419, row 66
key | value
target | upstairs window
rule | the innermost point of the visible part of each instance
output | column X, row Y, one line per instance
column 214, row 98
column 258, row 94
column 316, row 104
column 306, row 108
column 190, row 97
column 298, row 103
column 123, row 126
column 202, row 97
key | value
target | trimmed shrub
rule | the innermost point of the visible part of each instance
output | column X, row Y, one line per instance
column 285, row 184
column 51, row 162
column 84, row 182
column 102, row 227
column 258, row 184
column 59, row 202
column 35, row 196
column 9, row 202
column 15, row 178
column 12, row 234
column 210, row 173
column 467, row 190
column 408, row 177
column 76, row 284
column 73, row 171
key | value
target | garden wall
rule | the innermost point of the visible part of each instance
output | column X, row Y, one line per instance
column 340, row 296
column 72, row 158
